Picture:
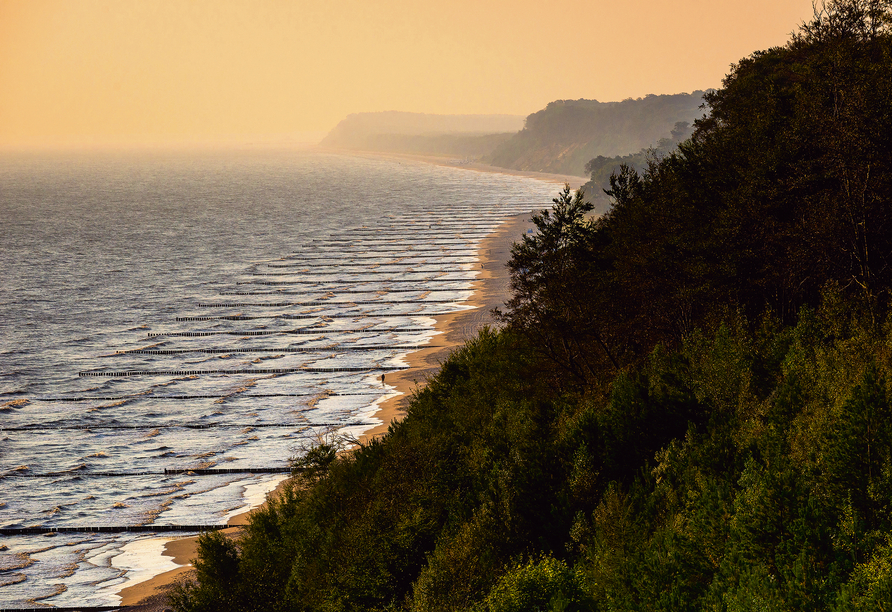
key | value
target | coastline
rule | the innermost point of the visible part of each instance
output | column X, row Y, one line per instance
column 448, row 161
column 491, row 289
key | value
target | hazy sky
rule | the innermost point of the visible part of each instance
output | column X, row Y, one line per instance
column 106, row 70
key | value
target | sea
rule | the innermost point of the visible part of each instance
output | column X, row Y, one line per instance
column 176, row 326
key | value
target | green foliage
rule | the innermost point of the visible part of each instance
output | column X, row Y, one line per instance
column 748, row 468
column 546, row 585
column 687, row 409
column 870, row 588
column 549, row 305
column 217, row 571
column 781, row 191
column 314, row 463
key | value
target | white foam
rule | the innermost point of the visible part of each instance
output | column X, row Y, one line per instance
column 255, row 494
column 142, row 560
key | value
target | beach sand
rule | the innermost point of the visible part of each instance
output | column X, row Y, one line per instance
column 491, row 290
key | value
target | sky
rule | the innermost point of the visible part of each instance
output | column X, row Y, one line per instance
column 154, row 71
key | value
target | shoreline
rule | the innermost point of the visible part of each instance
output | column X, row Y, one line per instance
column 450, row 161
column 491, row 289
column 180, row 551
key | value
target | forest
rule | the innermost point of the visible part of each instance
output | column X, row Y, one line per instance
column 601, row 168
column 566, row 134
column 687, row 405
column 561, row 138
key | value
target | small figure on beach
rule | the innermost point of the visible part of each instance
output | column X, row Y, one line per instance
column 382, row 380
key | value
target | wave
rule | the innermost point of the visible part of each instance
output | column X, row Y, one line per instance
column 168, row 274
column 13, row 404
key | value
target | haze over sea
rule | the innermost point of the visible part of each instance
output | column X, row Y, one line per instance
column 173, row 310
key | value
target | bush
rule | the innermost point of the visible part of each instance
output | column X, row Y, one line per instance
column 543, row 585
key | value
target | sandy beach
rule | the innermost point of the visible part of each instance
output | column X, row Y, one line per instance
column 491, row 290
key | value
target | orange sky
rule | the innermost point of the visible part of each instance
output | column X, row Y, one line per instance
column 153, row 70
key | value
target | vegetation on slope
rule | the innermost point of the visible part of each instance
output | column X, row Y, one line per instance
column 566, row 134
column 689, row 406
column 601, row 168
column 561, row 138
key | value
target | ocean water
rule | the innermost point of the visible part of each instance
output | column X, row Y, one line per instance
column 166, row 316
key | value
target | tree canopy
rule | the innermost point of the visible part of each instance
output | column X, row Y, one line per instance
column 688, row 406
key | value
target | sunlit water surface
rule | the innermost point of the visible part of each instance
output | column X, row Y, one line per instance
column 203, row 311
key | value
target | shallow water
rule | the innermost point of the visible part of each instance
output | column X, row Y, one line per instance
column 181, row 311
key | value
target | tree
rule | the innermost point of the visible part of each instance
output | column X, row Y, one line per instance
column 847, row 19
column 551, row 304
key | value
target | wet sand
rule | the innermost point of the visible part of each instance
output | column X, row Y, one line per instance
column 491, row 290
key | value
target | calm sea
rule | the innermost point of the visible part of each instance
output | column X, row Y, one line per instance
column 175, row 326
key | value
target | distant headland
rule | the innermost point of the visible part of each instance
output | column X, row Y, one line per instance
column 563, row 138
